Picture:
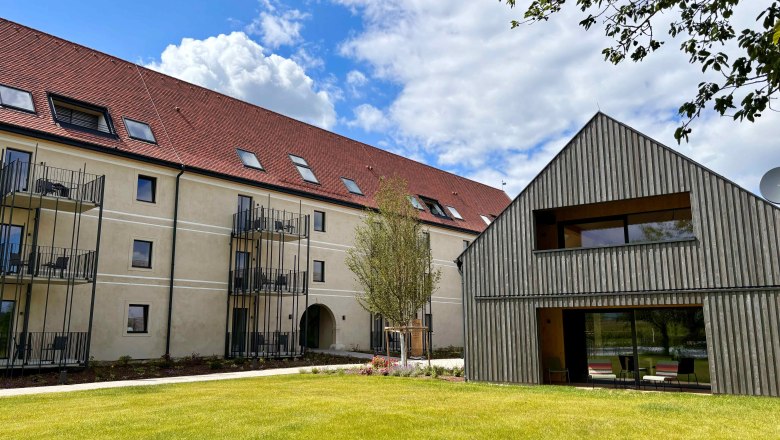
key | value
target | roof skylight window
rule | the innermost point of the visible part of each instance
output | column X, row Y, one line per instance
column 304, row 169
column 80, row 115
column 140, row 131
column 249, row 159
column 455, row 213
column 416, row 203
column 485, row 219
column 16, row 99
column 352, row 186
column 434, row 207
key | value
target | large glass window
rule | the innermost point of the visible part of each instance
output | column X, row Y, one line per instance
column 16, row 98
column 138, row 318
column 652, row 219
column 142, row 254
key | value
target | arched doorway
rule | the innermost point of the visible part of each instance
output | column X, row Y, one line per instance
column 321, row 331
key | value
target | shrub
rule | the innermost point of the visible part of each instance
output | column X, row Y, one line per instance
column 123, row 360
column 457, row 371
column 195, row 359
column 315, row 370
column 165, row 361
column 239, row 361
column 215, row 363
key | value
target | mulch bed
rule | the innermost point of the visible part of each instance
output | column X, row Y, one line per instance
column 190, row 366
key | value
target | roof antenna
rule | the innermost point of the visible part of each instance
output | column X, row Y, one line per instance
column 503, row 185
column 598, row 106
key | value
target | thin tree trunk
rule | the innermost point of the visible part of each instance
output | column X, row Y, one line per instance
column 402, row 337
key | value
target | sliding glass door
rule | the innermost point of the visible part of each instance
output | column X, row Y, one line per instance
column 6, row 325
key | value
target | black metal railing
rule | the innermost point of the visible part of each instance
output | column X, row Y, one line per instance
column 46, row 348
column 244, row 281
column 47, row 262
column 262, row 219
column 44, row 180
column 263, row 344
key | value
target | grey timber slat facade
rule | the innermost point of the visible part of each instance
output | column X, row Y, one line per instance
column 730, row 268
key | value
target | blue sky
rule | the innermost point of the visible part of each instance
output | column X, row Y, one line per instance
column 446, row 83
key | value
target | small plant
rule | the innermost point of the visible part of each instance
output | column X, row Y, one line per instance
column 315, row 370
column 457, row 371
column 124, row 360
column 240, row 361
column 215, row 363
column 165, row 361
column 195, row 359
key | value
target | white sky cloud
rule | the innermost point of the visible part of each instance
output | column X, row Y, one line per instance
column 276, row 30
column 369, row 118
column 237, row 66
column 497, row 104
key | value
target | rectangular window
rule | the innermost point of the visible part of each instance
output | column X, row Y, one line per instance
column 18, row 99
column 81, row 115
column 434, row 207
column 142, row 254
column 352, row 186
column 427, row 238
column 138, row 318
column 146, row 189
column 303, row 167
column 249, row 159
column 6, row 326
column 466, row 244
column 642, row 220
column 319, row 271
column 319, row 221
column 140, row 131
column 455, row 213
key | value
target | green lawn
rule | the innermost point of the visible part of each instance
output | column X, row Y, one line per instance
column 333, row 406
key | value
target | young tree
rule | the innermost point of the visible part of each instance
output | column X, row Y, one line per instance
column 752, row 67
column 391, row 259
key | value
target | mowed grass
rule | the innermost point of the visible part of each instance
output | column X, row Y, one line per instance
column 337, row 406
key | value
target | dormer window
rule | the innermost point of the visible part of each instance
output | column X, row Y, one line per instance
column 486, row 219
column 139, row 131
column 18, row 99
column 304, row 169
column 455, row 213
column 249, row 159
column 352, row 186
column 416, row 203
column 434, row 207
column 74, row 114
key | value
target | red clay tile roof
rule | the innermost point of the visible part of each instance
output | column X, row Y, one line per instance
column 201, row 128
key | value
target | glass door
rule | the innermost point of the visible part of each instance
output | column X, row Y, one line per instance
column 239, row 330
column 11, row 247
column 6, row 325
column 19, row 170
column 608, row 337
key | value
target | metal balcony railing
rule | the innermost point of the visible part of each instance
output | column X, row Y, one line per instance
column 44, row 180
column 263, row 344
column 47, row 262
column 44, row 348
column 244, row 281
column 261, row 219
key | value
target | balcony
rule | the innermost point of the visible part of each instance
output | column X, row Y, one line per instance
column 29, row 186
column 270, row 224
column 42, row 264
column 256, row 281
column 263, row 344
column 43, row 349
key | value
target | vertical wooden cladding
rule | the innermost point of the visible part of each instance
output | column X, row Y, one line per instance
column 737, row 245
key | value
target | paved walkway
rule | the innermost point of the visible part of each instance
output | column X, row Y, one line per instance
column 448, row 363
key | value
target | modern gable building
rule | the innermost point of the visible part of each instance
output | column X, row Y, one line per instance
column 625, row 251
column 144, row 215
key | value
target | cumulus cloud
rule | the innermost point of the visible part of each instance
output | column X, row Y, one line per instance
column 496, row 104
column 276, row 30
column 237, row 66
column 369, row 118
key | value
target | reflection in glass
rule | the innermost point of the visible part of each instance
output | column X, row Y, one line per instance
column 594, row 234
column 673, row 224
